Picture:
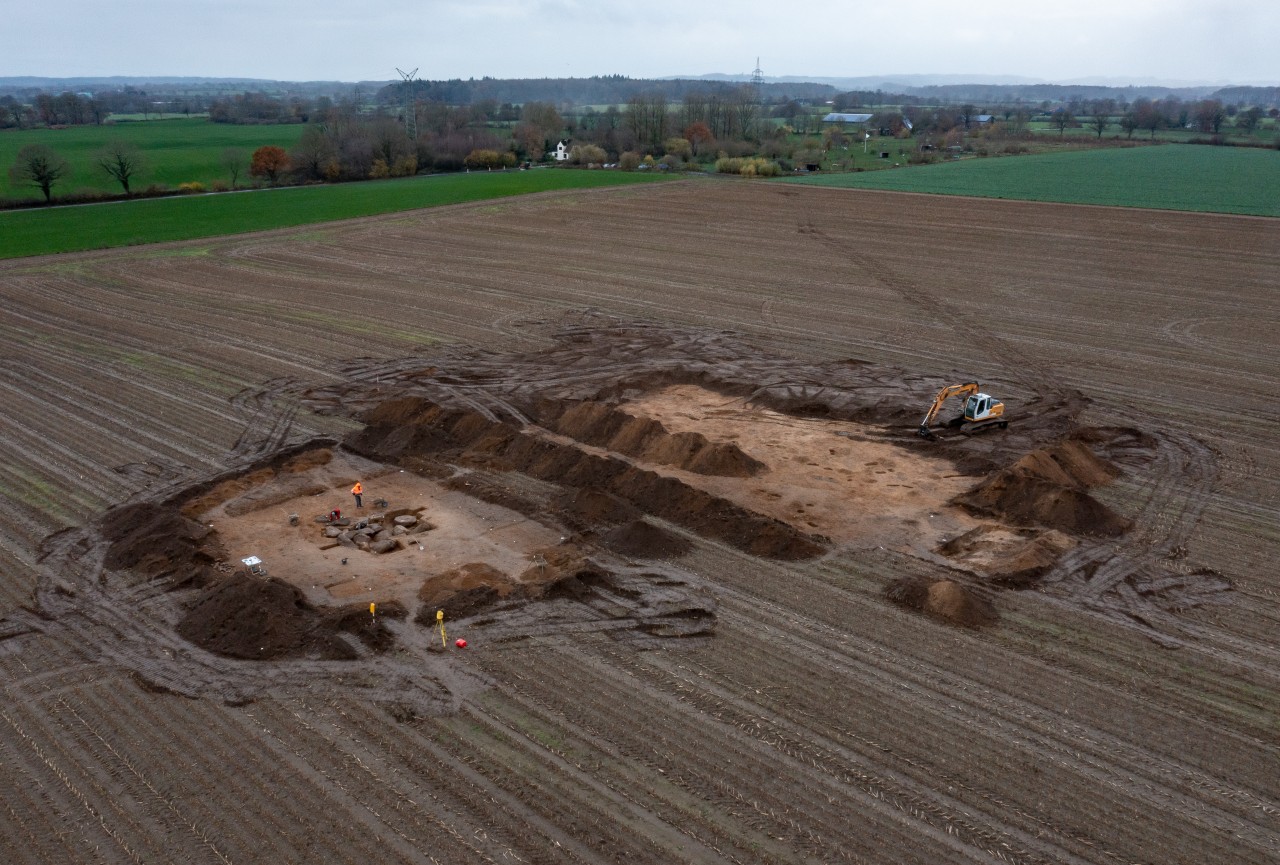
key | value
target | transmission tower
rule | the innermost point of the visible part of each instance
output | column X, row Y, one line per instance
column 410, row 113
column 757, row 81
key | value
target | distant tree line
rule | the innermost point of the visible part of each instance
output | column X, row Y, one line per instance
column 1100, row 115
column 597, row 90
column 1012, row 94
column 76, row 109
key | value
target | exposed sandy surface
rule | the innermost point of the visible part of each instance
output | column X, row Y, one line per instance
column 823, row 476
column 821, row 723
column 464, row 530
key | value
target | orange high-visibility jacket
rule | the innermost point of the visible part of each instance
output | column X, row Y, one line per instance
column 357, row 489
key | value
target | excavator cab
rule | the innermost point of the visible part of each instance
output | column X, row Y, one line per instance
column 978, row 407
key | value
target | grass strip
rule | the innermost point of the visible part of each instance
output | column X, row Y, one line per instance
column 43, row 231
column 1168, row 177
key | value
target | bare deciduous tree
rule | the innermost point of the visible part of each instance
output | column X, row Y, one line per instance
column 1249, row 120
column 234, row 160
column 313, row 153
column 121, row 160
column 1100, row 119
column 37, row 164
column 1210, row 115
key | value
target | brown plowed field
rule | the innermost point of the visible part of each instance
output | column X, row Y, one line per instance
column 1124, row 707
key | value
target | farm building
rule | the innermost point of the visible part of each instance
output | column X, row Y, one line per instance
column 561, row 153
column 838, row 117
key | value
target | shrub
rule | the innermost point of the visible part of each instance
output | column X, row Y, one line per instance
column 738, row 148
column 483, row 158
column 405, row 166
column 776, row 148
column 379, row 170
column 747, row 167
column 219, row 186
column 85, row 194
column 629, row 161
column 679, row 147
column 193, row 187
column 587, row 154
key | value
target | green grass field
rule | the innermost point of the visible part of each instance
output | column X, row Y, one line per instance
column 1265, row 134
column 40, row 231
column 176, row 150
column 1169, row 177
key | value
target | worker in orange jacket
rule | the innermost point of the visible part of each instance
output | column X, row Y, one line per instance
column 358, row 491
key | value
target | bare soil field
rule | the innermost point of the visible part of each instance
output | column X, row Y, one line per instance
column 652, row 453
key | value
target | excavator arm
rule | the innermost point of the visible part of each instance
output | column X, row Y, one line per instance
column 945, row 394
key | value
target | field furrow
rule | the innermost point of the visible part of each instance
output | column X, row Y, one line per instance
column 1124, row 709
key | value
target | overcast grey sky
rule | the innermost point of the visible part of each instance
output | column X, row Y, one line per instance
column 1183, row 40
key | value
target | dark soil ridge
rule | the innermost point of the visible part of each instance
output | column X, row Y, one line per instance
column 602, row 425
column 246, row 617
column 1049, row 488
column 410, row 427
column 660, row 599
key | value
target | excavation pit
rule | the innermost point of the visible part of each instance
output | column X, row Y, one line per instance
column 448, row 529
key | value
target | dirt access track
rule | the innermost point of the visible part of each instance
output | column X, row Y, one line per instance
column 658, row 445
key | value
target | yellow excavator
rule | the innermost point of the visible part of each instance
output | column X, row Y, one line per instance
column 980, row 410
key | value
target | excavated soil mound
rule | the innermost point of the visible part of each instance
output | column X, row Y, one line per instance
column 641, row 540
column 241, row 616
column 561, row 571
column 1069, row 463
column 1027, row 564
column 1010, row 559
column 154, row 540
column 462, row 591
column 943, row 599
column 951, row 601
column 588, row 507
column 599, row 424
column 1049, row 487
column 551, row 565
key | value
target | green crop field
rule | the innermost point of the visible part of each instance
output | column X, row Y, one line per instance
column 176, row 151
column 1170, row 177
column 39, row 231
